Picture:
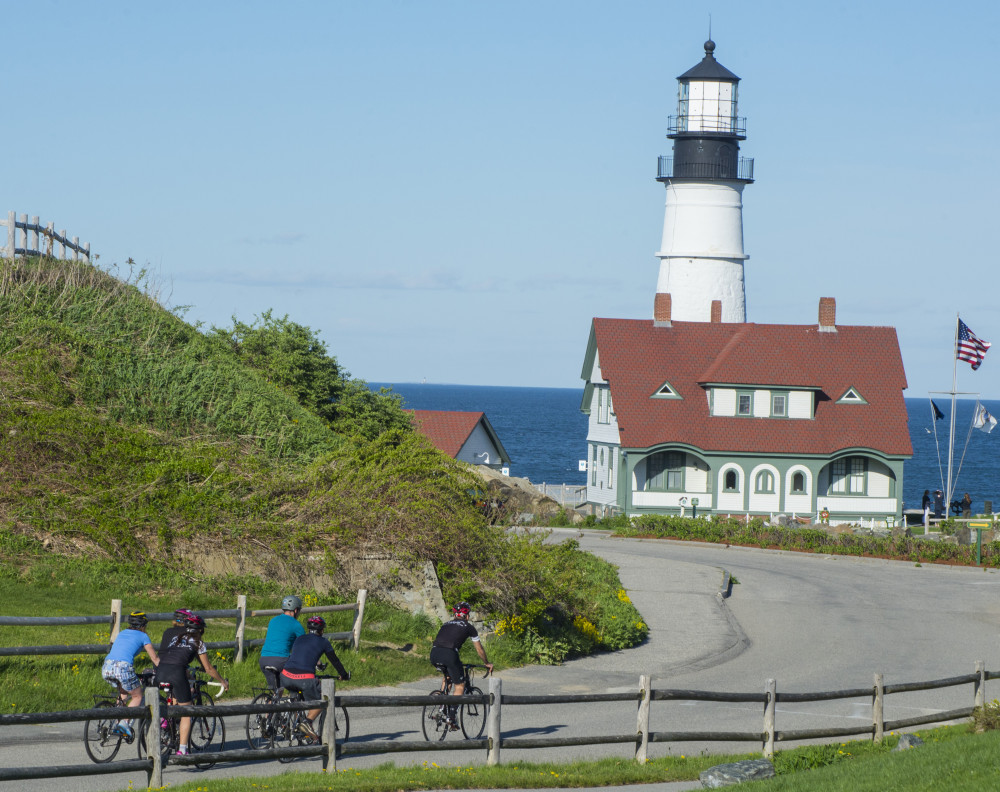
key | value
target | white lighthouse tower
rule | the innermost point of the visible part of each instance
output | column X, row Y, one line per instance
column 701, row 254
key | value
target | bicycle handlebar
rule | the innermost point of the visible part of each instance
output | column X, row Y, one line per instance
column 220, row 686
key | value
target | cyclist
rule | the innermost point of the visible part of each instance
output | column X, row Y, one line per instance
column 299, row 672
column 446, row 647
column 181, row 615
column 174, row 660
column 119, row 668
column 282, row 631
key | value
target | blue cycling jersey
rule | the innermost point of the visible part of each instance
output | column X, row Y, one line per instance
column 282, row 631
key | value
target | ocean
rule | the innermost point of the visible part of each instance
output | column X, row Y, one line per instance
column 545, row 434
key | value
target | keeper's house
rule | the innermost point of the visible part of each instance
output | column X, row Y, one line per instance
column 745, row 418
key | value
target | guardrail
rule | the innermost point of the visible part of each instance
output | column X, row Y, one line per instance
column 330, row 750
column 114, row 621
column 32, row 234
column 564, row 494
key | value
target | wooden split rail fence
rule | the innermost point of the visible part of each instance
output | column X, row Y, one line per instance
column 114, row 621
column 494, row 742
column 33, row 233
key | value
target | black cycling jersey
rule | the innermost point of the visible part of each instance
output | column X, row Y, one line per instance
column 454, row 633
column 182, row 650
column 306, row 652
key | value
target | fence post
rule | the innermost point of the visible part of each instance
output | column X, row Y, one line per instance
column 76, row 248
column 116, row 619
column 328, row 689
column 241, row 625
column 33, row 244
column 62, row 244
column 770, row 692
column 86, row 251
column 11, row 233
column 493, row 722
column 878, row 710
column 980, row 685
column 24, row 232
column 154, row 776
column 51, row 234
column 362, row 596
column 642, row 720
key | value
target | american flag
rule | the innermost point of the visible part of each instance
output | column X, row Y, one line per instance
column 970, row 348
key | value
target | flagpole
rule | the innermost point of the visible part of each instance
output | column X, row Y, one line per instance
column 951, row 430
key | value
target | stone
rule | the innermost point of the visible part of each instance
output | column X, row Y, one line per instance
column 908, row 741
column 510, row 495
column 736, row 773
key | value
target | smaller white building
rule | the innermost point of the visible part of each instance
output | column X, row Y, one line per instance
column 465, row 436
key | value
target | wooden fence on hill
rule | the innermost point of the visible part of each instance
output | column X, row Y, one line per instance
column 39, row 240
column 114, row 622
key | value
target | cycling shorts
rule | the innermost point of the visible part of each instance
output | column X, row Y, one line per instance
column 309, row 686
column 441, row 655
column 272, row 677
column 176, row 675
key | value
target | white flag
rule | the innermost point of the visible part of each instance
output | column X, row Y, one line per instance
column 983, row 420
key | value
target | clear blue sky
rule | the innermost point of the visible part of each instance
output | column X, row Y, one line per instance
column 451, row 190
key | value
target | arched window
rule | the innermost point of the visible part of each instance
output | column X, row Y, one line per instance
column 732, row 481
column 798, row 482
column 764, row 481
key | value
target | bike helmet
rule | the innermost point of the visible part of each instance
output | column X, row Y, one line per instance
column 137, row 620
column 181, row 615
column 194, row 623
column 291, row 602
column 316, row 624
column 462, row 610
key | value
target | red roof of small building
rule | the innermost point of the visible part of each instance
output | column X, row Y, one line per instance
column 637, row 358
column 447, row 430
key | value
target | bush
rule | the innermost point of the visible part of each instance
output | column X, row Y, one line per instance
column 986, row 717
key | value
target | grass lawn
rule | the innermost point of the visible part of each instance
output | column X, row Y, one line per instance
column 951, row 759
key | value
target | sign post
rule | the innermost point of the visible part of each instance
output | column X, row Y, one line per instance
column 979, row 526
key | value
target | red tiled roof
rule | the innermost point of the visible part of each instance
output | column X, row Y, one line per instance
column 636, row 358
column 447, row 430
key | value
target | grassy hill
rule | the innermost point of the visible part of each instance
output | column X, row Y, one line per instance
column 128, row 434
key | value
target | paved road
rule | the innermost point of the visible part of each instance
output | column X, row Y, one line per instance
column 811, row 622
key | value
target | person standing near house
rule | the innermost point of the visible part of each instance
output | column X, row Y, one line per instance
column 925, row 504
column 938, row 504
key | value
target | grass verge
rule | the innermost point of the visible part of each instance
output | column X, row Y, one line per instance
column 951, row 759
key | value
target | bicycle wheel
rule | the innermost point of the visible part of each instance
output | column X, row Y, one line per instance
column 341, row 724
column 208, row 732
column 286, row 730
column 434, row 720
column 473, row 715
column 260, row 725
column 99, row 737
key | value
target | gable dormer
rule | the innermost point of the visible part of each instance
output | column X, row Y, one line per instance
column 666, row 391
column 852, row 396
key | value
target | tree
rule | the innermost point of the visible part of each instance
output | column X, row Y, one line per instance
column 292, row 357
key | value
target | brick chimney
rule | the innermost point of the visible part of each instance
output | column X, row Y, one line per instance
column 661, row 310
column 716, row 311
column 827, row 315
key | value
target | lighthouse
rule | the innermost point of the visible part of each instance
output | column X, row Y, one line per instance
column 701, row 252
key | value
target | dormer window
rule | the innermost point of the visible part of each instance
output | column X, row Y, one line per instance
column 744, row 403
column 779, row 405
column 851, row 396
column 666, row 391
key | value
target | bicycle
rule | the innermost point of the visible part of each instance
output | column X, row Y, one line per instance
column 208, row 732
column 268, row 729
column 101, row 736
column 437, row 721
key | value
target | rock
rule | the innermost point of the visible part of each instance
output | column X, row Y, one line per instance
column 841, row 528
column 516, row 496
column 736, row 773
column 902, row 531
column 780, row 520
column 908, row 741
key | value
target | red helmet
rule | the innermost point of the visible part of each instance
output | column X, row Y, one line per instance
column 194, row 622
column 316, row 624
column 462, row 610
column 181, row 615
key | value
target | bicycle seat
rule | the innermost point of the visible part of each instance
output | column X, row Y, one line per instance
column 441, row 667
column 271, row 668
